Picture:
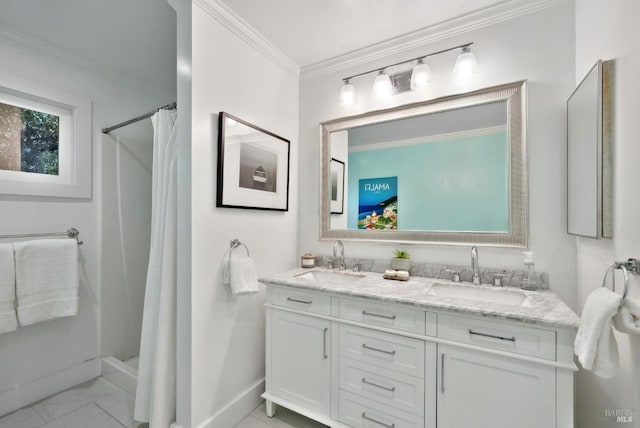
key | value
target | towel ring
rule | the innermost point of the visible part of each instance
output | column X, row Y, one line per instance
column 235, row 243
column 625, row 273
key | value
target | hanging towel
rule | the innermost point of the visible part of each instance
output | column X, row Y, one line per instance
column 628, row 318
column 239, row 272
column 8, row 320
column 46, row 279
column 595, row 346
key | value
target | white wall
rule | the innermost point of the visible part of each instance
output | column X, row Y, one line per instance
column 608, row 30
column 229, row 74
column 538, row 47
column 39, row 360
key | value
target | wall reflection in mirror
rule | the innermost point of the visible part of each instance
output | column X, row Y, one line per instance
column 450, row 170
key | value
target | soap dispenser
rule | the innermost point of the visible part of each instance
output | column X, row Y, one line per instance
column 529, row 279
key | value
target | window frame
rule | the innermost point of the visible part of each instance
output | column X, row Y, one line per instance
column 74, row 178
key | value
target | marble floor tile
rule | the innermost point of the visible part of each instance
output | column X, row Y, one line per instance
column 72, row 399
column 120, row 405
column 23, row 418
column 284, row 418
column 251, row 422
column 89, row 416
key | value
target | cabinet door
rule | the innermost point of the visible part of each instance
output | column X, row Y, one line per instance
column 484, row 390
column 300, row 350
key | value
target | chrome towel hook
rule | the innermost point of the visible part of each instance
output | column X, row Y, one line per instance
column 631, row 265
column 235, row 243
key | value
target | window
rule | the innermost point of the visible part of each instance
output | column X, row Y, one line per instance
column 45, row 142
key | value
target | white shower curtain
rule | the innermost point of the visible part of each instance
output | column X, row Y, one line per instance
column 156, row 389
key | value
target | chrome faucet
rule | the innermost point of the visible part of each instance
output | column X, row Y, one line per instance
column 339, row 259
column 475, row 266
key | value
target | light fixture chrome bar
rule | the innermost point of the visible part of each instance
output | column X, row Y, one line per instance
column 465, row 45
column 71, row 233
column 171, row 106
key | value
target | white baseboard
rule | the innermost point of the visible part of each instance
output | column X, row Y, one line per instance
column 237, row 409
column 23, row 395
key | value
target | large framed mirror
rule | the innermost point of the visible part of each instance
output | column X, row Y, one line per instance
column 446, row 171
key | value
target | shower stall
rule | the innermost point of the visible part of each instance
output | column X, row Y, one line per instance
column 126, row 227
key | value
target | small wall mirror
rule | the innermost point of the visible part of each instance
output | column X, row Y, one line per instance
column 450, row 171
column 589, row 154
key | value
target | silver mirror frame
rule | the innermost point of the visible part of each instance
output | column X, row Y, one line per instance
column 515, row 96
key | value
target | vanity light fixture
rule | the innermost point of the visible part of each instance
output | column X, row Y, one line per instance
column 382, row 87
column 387, row 83
column 420, row 76
column 466, row 64
column 347, row 94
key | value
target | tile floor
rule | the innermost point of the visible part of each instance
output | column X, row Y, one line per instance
column 101, row 404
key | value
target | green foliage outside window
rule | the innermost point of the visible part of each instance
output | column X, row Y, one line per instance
column 40, row 141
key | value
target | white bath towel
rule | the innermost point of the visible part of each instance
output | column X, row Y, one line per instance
column 239, row 272
column 595, row 346
column 628, row 318
column 46, row 279
column 8, row 320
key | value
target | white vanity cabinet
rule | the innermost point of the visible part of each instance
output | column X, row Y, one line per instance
column 300, row 360
column 299, row 349
column 349, row 361
column 476, row 389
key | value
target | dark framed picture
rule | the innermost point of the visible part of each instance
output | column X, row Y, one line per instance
column 337, row 186
column 253, row 166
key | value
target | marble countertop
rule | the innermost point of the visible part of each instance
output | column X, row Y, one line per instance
column 542, row 307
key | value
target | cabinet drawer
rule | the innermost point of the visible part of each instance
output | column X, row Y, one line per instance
column 384, row 350
column 302, row 300
column 385, row 386
column 498, row 335
column 358, row 412
column 385, row 315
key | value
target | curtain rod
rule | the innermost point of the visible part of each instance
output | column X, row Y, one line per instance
column 171, row 106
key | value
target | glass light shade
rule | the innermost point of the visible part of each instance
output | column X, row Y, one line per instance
column 420, row 76
column 466, row 64
column 382, row 87
column 347, row 95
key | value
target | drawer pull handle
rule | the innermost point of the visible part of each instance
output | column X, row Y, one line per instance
column 375, row 421
column 371, row 314
column 510, row 339
column 324, row 343
column 386, row 388
column 306, row 302
column 371, row 348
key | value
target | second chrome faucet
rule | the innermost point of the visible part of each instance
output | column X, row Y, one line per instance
column 338, row 260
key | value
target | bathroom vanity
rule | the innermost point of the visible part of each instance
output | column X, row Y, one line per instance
column 355, row 350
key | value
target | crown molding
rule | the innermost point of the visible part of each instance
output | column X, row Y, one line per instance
column 237, row 25
column 504, row 11
column 23, row 41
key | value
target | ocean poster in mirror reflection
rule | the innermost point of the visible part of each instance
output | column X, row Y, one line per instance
column 378, row 203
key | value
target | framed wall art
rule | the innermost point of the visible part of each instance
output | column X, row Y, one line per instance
column 253, row 166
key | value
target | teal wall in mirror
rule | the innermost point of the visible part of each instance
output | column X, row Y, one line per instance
column 449, row 183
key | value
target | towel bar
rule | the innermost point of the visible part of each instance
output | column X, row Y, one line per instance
column 71, row 233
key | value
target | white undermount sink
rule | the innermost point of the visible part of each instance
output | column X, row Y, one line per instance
column 501, row 296
column 335, row 277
